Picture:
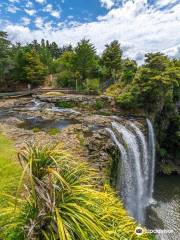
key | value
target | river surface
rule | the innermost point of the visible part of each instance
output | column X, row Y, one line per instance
column 165, row 214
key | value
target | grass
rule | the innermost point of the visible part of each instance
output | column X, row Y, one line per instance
column 54, row 94
column 53, row 131
column 98, row 105
column 65, row 104
column 10, row 172
column 36, row 129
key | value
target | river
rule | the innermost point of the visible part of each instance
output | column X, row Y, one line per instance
column 165, row 214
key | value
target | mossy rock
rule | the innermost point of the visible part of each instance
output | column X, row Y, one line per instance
column 53, row 131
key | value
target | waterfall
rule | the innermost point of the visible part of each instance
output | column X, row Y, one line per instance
column 136, row 167
column 152, row 155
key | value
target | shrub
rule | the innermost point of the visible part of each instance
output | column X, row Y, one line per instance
column 129, row 98
column 63, row 203
column 36, row 129
column 168, row 168
column 99, row 105
column 65, row 104
column 115, row 90
column 65, row 79
column 92, row 85
column 53, row 131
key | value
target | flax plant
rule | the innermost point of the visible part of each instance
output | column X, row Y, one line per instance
column 63, row 202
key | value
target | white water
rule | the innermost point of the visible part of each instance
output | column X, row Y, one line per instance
column 152, row 156
column 135, row 180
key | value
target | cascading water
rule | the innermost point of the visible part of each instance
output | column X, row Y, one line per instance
column 152, row 156
column 135, row 179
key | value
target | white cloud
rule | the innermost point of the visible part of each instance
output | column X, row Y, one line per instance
column 48, row 26
column 173, row 52
column 163, row 3
column 14, row 1
column 107, row 3
column 138, row 27
column 12, row 9
column 48, row 8
column 55, row 13
column 30, row 12
column 29, row 4
column 26, row 21
column 39, row 22
column 40, row 1
column 51, row 11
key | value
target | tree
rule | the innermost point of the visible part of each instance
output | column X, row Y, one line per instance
column 64, row 69
column 112, row 59
column 29, row 68
column 45, row 57
column 84, row 60
column 5, row 60
column 155, row 82
column 54, row 50
column 129, row 68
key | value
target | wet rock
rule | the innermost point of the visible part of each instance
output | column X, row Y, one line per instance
column 13, row 121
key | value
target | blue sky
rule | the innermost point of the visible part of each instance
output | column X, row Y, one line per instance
column 140, row 25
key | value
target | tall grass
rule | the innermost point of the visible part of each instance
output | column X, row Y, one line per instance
column 10, row 173
column 63, row 203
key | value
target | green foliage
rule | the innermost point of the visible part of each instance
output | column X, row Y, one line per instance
column 84, row 60
column 99, row 105
column 29, row 68
column 65, row 79
column 163, row 152
column 111, row 59
column 115, row 89
column 53, row 131
column 105, row 113
column 9, row 169
column 129, row 98
column 46, row 58
column 62, row 202
column 129, row 68
column 92, row 85
column 5, row 60
column 65, row 104
column 168, row 168
column 36, row 129
column 171, row 122
column 63, row 67
column 10, row 173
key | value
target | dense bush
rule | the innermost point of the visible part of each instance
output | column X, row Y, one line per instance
column 65, row 79
column 92, row 85
column 65, row 104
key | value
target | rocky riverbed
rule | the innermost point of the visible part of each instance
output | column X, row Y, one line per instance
column 80, row 131
column 81, row 128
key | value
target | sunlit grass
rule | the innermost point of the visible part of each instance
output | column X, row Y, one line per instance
column 54, row 94
column 10, row 170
